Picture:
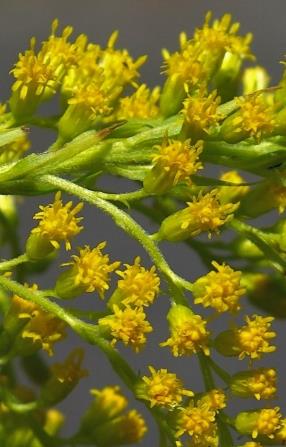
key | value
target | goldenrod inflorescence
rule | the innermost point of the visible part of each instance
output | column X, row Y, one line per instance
column 210, row 110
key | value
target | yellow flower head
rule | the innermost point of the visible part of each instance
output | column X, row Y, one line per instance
column 138, row 286
column 13, row 151
column 58, row 221
column 220, row 290
column 222, row 36
column 37, row 74
column 179, row 159
column 200, row 113
column 162, row 388
column 109, row 401
column 130, row 428
column 185, row 64
column 91, row 269
column 141, row 104
column 22, row 308
column 70, row 370
column 118, row 66
column 90, row 100
column 196, row 420
column 214, row 399
column 128, row 325
column 254, row 117
column 260, row 383
column 44, row 330
column 188, row 332
column 253, row 338
column 264, row 422
column 59, row 46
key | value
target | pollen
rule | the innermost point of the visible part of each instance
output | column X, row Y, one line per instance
column 109, row 401
column 164, row 389
column 201, row 112
column 220, row 290
column 179, row 159
column 253, row 338
column 139, row 286
column 91, row 269
column 255, row 117
column 58, row 222
column 128, row 325
column 188, row 332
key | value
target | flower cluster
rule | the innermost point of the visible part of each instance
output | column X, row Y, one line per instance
column 209, row 111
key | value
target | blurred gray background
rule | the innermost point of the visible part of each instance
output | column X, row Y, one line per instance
column 145, row 27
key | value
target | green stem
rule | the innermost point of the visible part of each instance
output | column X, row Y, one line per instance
column 125, row 197
column 206, row 372
column 124, row 221
column 219, row 371
column 7, row 265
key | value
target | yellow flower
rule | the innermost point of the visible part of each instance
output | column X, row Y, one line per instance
column 130, row 428
column 70, row 53
column 89, row 272
column 185, row 64
column 64, row 378
column 22, row 308
column 253, row 338
column 214, row 399
column 197, row 421
column 200, row 113
column 220, row 290
column 204, row 213
column 179, row 157
column 162, row 388
column 89, row 100
column 38, row 77
column 128, row 325
column 188, row 332
column 221, row 36
column 260, row 383
column 264, row 422
column 70, row 370
column 57, row 222
column 254, row 119
column 14, row 151
column 141, row 104
column 107, row 405
column 118, row 66
column 44, row 330
column 138, row 286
